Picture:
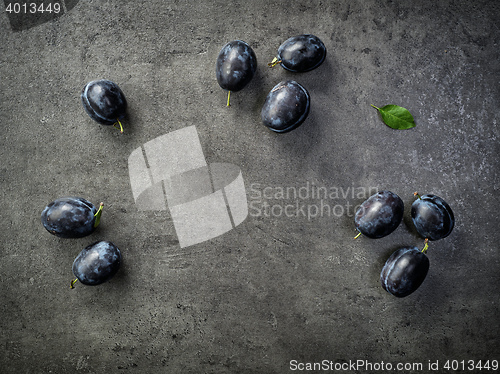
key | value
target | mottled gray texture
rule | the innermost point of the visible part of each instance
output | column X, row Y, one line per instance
column 278, row 287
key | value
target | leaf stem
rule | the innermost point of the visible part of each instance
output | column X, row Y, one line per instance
column 426, row 245
column 119, row 123
column 375, row 107
column 72, row 285
column 98, row 215
column 274, row 62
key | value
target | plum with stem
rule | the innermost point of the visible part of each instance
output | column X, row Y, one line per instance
column 96, row 263
column 405, row 270
column 104, row 102
column 235, row 66
column 300, row 53
column 71, row 217
column 379, row 215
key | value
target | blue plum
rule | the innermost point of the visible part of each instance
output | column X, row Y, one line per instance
column 235, row 66
column 300, row 53
column 404, row 271
column 286, row 107
column 97, row 263
column 379, row 215
column 71, row 217
column 432, row 217
column 104, row 102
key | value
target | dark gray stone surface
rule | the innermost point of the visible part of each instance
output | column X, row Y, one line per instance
column 276, row 288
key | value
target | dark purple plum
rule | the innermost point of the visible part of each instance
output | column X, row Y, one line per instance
column 104, row 102
column 379, row 215
column 286, row 107
column 432, row 217
column 404, row 271
column 97, row 263
column 235, row 66
column 71, row 217
column 300, row 53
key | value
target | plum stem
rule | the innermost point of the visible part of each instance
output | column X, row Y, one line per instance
column 98, row 215
column 120, row 124
column 72, row 285
column 426, row 245
column 417, row 195
column 357, row 236
column 228, row 97
column 274, row 62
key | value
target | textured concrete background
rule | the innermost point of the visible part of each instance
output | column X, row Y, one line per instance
column 276, row 288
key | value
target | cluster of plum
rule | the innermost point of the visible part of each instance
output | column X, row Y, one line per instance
column 287, row 105
column 379, row 215
column 76, row 217
column 285, row 108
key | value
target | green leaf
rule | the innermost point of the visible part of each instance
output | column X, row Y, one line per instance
column 396, row 117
